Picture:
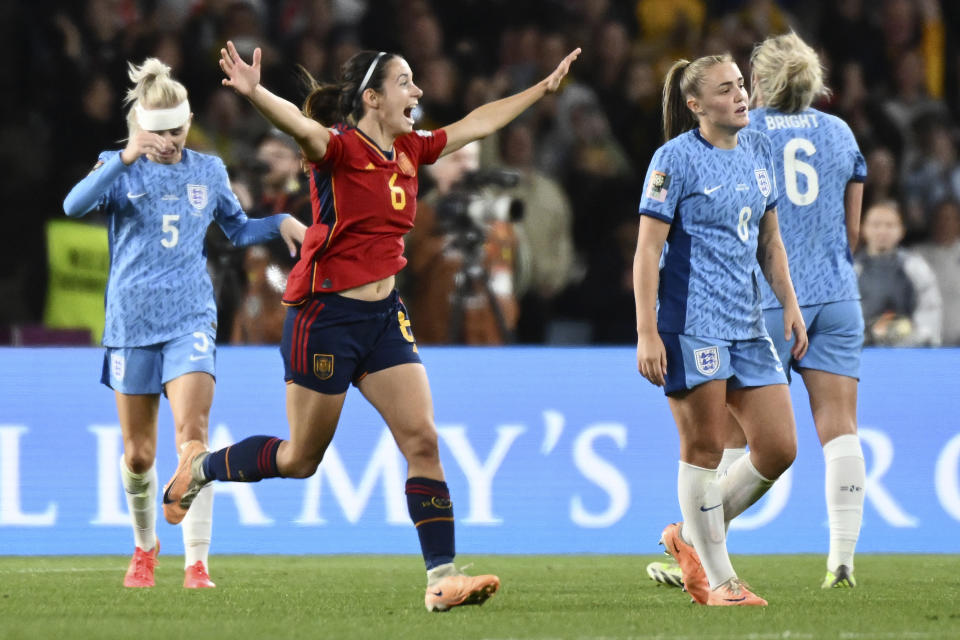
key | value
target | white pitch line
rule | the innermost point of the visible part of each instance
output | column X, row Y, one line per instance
column 55, row 570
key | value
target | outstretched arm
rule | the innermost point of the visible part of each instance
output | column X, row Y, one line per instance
column 245, row 79
column 492, row 116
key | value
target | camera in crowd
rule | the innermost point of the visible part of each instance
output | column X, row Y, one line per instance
column 475, row 202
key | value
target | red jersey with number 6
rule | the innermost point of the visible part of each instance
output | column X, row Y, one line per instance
column 364, row 201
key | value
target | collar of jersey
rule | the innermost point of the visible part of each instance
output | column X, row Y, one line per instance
column 386, row 155
column 696, row 132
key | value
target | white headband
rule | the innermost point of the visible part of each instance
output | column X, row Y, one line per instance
column 163, row 119
column 366, row 78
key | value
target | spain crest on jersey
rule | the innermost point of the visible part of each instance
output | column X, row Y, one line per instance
column 763, row 181
column 197, row 195
column 707, row 360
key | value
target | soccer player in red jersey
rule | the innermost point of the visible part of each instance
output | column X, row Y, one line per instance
column 346, row 322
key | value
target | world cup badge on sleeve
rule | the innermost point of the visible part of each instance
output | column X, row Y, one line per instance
column 657, row 189
column 707, row 359
column 763, row 181
column 197, row 195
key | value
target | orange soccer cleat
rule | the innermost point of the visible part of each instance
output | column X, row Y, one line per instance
column 734, row 593
column 457, row 590
column 694, row 577
column 178, row 494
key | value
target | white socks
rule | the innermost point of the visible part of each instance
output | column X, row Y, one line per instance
column 702, row 505
column 729, row 457
column 141, row 492
column 440, row 572
column 741, row 486
column 846, row 479
column 197, row 526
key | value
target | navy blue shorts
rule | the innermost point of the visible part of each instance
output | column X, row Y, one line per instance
column 330, row 341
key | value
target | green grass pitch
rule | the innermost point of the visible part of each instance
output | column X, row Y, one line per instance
column 587, row 597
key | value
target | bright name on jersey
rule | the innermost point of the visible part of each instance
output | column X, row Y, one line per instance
column 793, row 121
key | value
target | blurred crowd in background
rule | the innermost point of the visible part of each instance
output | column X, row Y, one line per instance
column 527, row 236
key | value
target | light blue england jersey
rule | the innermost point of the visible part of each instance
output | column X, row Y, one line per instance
column 713, row 200
column 816, row 157
column 158, row 214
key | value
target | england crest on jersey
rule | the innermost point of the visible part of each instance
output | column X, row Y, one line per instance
column 197, row 195
column 707, row 360
column 763, row 181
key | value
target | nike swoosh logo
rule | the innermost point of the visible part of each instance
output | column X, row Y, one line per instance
column 166, row 493
column 711, row 190
column 702, row 508
column 438, row 593
column 194, row 358
column 134, row 196
column 735, row 599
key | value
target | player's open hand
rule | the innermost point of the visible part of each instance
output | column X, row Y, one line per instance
column 652, row 358
column 292, row 232
column 144, row 142
column 793, row 325
column 243, row 77
column 554, row 79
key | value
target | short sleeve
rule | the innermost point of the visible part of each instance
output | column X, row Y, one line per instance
column 663, row 185
column 428, row 145
column 335, row 151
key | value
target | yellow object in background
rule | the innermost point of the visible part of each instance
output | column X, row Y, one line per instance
column 78, row 257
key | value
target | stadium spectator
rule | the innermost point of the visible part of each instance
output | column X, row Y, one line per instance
column 862, row 44
column 933, row 177
column 159, row 199
column 345, row 309
column 547, row 259
column 462, row 262
column 942, row 253
column 698, row 335
column 901, row 301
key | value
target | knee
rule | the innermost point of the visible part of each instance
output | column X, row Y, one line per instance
column 422, row 449
column 779, row 458
column 192, row 428
column 139, row 458
column 295, row 463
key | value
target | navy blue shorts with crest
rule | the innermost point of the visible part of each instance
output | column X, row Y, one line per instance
column 330, row 341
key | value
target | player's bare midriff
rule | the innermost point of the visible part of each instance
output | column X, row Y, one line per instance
column 372, row 291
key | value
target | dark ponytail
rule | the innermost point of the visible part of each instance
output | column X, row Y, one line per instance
column 330, row 104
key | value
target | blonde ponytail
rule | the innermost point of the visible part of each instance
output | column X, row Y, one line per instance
column 153, row 88
column 787, row 72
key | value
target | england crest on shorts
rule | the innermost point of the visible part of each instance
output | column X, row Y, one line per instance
column 117, row 366
column 707, row 359
column 197, row 195
column 763, row 181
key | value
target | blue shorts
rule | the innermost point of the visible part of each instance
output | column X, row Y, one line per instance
column 692, row 360
column 835, row 331
column 142, row 370
column 330, row 341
